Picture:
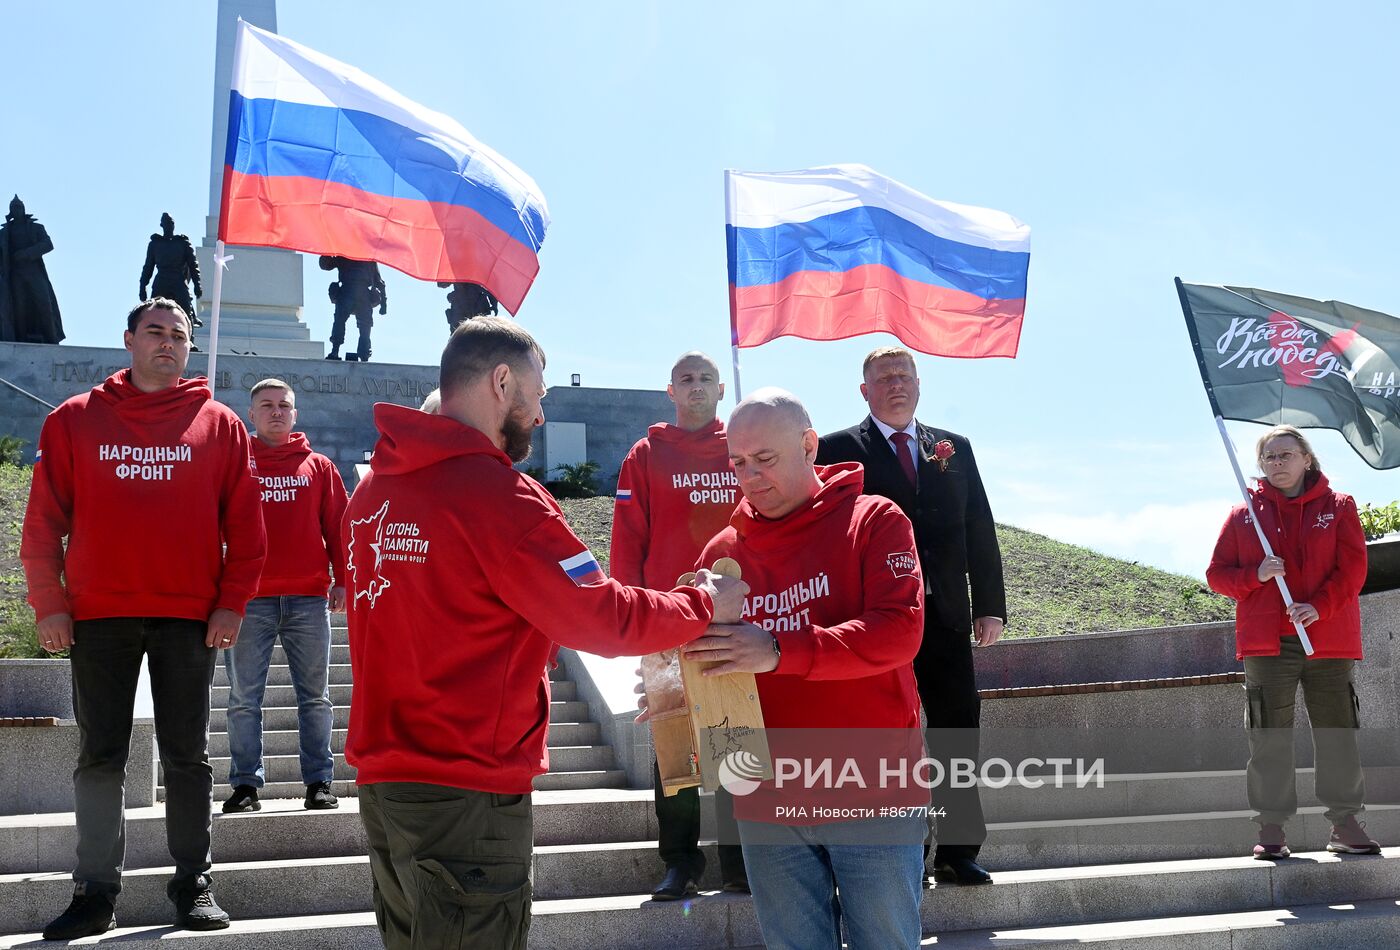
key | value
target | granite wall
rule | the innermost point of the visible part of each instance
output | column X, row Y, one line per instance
column 334, row 399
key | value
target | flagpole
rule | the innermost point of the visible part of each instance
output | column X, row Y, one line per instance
column 213, row 342
column 733, row 304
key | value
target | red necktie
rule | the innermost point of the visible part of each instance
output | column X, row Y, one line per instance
column 901, row 441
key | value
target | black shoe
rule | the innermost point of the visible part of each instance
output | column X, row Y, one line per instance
column 334, row 354
column 318, row 796
column 244, row 798
column 736, row 884
column 195, row 910
column 964, row 871
column 88, row 915
column 679, row 882
column 352, row 357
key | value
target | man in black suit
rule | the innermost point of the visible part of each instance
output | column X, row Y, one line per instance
column 931, row 474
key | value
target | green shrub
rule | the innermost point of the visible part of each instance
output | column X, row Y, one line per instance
column 1378, row 521
column 12, row 450
column 575, row 481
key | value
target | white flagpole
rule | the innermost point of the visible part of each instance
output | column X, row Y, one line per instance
column 733, row 327
column 220, row 262
column 1259, row 530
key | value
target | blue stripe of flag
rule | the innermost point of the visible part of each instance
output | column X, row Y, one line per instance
column 866, row 235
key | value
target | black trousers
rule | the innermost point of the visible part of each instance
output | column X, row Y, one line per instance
column 678, row 830
column 106, row 659
column 947, row 686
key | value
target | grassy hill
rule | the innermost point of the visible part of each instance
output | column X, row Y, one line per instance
column 1052, row 587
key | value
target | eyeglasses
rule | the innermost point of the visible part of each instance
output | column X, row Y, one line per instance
column 1283, row 458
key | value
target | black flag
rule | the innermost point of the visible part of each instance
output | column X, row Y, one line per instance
column 1281, row 360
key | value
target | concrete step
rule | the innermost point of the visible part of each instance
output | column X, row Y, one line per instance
column 561, row 781
column 1157, row 793
column 1348, row 924
column 722, row 922
column 342, row 788
column 287, row 768
column 279, row 674
column 284, row 829
column 278, row 716
column 1080, row 898
column 1081, row 842
column 287, row 741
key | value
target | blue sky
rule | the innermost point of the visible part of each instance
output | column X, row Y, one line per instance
column 1242, row 143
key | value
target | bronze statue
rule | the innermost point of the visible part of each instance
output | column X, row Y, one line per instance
column 171, row 257
column 357, row 289
column 465, row 301
column 28, row 306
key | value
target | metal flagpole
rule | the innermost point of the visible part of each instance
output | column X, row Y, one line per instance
column 220, row 262
column 733, row 316
column 1253, row 517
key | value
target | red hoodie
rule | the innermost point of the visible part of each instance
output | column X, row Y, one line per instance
column 837, row 582
column 676, row 490
column 303, row 500
column 1319, row 537
column 463, row 577
column 148, row 488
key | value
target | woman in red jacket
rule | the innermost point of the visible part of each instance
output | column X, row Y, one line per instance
column 1320, row 550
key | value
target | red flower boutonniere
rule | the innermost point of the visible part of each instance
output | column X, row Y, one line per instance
column 942, row 452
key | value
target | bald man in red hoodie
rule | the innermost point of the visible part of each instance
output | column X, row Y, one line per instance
column 464, row 580
column 831, row 627
column 150, row 481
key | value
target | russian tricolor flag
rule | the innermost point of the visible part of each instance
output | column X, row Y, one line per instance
column 624, row 496
column 840, row 251
column 326, row 159
column 583, row 569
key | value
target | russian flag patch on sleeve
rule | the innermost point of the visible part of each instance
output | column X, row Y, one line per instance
column 624, row 495
column 582, row 569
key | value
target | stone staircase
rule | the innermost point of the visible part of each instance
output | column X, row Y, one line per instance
column 1147, row 861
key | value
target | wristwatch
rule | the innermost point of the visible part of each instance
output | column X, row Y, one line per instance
column 777, row 649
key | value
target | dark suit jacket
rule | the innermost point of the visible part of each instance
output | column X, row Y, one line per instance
column 953, row 524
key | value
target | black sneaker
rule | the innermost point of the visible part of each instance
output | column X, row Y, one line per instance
column 318, row 796
column 244, row 798
column 87, row 916
column 195, row 909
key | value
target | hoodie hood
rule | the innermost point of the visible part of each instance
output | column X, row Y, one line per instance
column 410, row 439
column 666, row 432
column 140, row 409
column 1314, row 486
column 277, row 457
column 841, row 484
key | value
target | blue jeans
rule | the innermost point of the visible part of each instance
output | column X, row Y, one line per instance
column 796, row 870
column 304, row 626
column 106, row 661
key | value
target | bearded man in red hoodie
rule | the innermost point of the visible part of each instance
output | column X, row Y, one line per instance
column 676, row 491
column 831, row 626
column 115, row 465
column 302, row 582
column 464, row 581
